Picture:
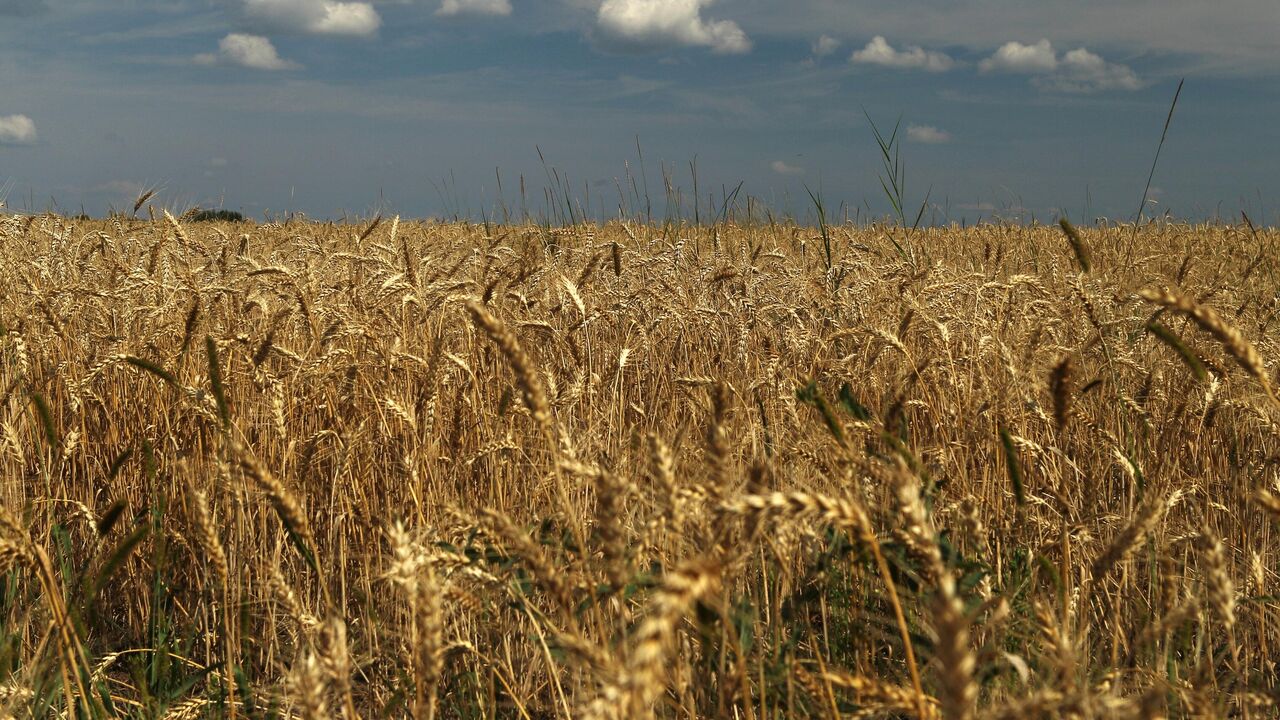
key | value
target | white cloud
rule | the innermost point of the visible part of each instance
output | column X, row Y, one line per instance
column 1015, row 57
column 319, row 17
column 474, row 7
column 251, row 51
column 647, row 24
column 1235, row 37
column 17, row 130
column 348, row 18
column 783, row 168
column 825, row 45
column 1077, row 70
column 927, row 134
column 914, row 57
column 1083, row 71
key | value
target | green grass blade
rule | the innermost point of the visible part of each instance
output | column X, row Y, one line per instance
column 1013, row 465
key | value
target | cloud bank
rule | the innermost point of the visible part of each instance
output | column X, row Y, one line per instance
column 653, row 24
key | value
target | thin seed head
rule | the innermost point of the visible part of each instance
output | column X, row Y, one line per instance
column 1208, row 319
column 1060, row 384
column 535, row 398
column 1130, row 536
column 282, row 501
column 1221, row 588
column 955, row 658
column 207, row 535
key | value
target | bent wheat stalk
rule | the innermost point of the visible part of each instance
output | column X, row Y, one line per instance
column 1211, row 322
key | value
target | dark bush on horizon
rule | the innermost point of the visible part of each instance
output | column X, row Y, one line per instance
column 216, row 216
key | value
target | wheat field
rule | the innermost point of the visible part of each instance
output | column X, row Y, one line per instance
column 409, row 469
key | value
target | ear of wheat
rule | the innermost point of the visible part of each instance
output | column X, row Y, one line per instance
column 737, row 468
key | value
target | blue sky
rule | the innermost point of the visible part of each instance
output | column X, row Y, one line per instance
column 1012, row 107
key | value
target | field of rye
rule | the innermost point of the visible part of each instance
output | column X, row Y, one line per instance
column 407, row 469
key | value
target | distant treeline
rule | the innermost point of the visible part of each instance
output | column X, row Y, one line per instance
column 193, row 215
column 214, row 216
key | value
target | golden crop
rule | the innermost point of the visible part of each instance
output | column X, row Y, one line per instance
column 449, row 470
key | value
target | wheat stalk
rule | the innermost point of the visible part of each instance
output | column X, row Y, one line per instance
column 1211, row 322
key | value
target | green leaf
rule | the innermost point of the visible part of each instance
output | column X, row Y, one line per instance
column 110, row 517
column 851, row 405
column 744, row 618
column 246, row 691
column 1052, row 571
column 1189, row 358
column 119, row 462
column 118, row 555
column 764, row 424
column 811, row 395
column 1077, row 244
column 1013, row 465
column 154, row 369
column 45, row 416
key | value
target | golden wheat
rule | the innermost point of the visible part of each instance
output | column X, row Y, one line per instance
column 675, row 471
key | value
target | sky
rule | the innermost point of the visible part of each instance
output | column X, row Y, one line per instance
column 333, row 108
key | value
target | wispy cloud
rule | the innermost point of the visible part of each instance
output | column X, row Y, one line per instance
column 1077, row 70
column 122, row 188
column 927, row 134
column 474, row 7
column 251, row 51
column 17, row 130
column 824, row 46
column 913, row 57
column 1083, row 71
column 317, row 17
column 782, row 168
column 652, row 24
